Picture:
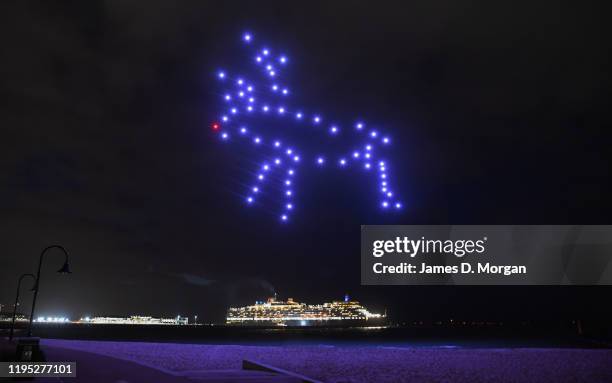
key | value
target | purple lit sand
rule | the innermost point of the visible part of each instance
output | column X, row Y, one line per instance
column 370, row 363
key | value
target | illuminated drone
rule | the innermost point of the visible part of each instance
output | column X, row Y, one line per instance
column 249, row 106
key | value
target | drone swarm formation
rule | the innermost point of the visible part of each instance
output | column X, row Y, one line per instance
column 243, row 99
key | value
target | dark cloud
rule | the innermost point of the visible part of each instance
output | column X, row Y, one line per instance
column 194, row 279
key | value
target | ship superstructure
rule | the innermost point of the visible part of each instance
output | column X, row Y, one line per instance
column 292, row 313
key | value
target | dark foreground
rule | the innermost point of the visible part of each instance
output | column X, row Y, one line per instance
column 187, row 353
column 352, row 363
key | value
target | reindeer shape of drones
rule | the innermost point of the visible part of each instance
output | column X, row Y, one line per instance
column 243, row 99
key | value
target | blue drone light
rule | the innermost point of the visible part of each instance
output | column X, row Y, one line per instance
column 256, row 101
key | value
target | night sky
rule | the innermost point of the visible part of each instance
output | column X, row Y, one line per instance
column 499, row 115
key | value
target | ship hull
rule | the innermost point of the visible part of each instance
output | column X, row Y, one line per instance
column 375, row 322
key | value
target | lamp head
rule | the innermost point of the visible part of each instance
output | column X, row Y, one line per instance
column 65, row 269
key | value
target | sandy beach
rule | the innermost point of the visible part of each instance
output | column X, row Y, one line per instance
column 369, row 363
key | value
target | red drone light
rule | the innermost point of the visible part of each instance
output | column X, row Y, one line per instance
column 215, row 126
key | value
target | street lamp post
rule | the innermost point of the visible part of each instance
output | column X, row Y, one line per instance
column 17, row 303
column 65, row 269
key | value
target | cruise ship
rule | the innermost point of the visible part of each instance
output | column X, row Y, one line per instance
column 275, row 312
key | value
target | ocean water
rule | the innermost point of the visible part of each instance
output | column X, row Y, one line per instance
column 444, row 337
